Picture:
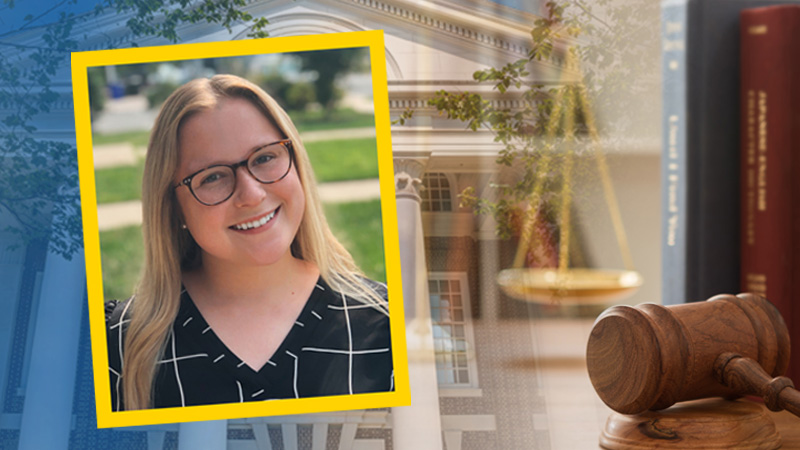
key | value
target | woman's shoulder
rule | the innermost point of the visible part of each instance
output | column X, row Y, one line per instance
column 357, row 309
column 351, row 319
column 364, row 291
column 377, row 287
column 117, row 313
column 117, row 319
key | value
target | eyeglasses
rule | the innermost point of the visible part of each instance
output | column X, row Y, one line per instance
column 215, row 184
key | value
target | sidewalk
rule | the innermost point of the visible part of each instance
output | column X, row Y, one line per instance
column 115, row 155
column 333, row 135
column 124, row 153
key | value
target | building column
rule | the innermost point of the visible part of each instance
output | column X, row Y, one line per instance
column 210, row 435
column 50, row 387
column 417, row 426
column 12, row 267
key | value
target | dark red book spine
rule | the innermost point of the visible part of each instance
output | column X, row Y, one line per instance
column 770, row 162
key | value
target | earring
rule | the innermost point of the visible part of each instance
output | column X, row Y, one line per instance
column 183, row 226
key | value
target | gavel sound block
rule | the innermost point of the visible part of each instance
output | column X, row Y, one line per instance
column 649, row 357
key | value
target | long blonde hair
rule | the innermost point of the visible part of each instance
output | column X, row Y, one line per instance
column 168, row 249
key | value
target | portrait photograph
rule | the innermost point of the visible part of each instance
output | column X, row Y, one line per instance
column 240, row 229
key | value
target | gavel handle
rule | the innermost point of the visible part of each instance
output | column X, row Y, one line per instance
column 746, row 376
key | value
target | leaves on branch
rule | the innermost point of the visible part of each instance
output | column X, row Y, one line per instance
column 39, row 194
column 404, row 117
column 161, row 18
column 599, row 33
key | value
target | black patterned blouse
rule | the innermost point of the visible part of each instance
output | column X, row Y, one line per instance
column 336, row 347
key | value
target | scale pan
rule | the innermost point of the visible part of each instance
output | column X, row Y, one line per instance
column 579, row 286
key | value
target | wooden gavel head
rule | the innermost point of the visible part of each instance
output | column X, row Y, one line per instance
column 649, row 357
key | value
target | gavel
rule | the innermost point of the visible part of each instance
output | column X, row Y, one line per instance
column 650, row 357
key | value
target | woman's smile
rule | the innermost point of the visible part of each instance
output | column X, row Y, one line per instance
column 257, row 223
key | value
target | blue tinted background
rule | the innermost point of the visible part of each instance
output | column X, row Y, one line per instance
column 46, row 385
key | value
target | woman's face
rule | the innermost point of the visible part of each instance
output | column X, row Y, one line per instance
column 228, row 134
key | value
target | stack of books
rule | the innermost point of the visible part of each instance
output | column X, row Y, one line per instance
column 731, row 202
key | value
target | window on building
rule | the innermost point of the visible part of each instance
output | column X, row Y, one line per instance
column 436, row 194
column 452, row 330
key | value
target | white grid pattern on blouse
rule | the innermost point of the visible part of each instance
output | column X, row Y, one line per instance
column 175, row 365
column 175, row 359
column 344, row 352
column 118, row 325
column 180, row 358
column 294, row 374
column 349, row 351
column 349, row 346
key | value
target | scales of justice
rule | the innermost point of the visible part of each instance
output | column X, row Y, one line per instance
column 672, row 374
column 565, row 284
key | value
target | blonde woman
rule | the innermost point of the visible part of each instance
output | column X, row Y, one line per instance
column 246, row 295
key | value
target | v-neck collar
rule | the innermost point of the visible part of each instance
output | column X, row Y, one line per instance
column 191, row 322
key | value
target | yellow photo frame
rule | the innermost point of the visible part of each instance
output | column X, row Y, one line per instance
column 81, row 63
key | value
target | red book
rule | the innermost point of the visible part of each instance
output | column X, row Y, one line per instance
column 770, row 162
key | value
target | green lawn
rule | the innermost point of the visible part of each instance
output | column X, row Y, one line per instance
column 337, row 120
column 137, row 138
column 121, row 254
column 119, row 184
column 352, row 159
column 304, row 121
column 357, row 225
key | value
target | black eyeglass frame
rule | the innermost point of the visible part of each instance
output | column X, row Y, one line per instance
column 287, row 143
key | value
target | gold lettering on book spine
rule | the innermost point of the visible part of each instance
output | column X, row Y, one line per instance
column 672, row 30
column 750, row 169
column 756, row 283
column 762, row 151
column 672, row 180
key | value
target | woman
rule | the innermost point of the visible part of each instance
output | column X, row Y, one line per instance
column 245, row 294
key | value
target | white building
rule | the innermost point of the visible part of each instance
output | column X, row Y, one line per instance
column 486, row 390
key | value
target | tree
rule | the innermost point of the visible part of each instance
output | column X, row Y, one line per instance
column 608, row 39
column 329, row 66
column 161, row 18
column 38, row 175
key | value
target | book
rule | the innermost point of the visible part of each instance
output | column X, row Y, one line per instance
column 700, row 155
column 770, row 161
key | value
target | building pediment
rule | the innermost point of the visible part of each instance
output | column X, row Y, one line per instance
column 429, row 46
column 424, row 41
column 443, row 40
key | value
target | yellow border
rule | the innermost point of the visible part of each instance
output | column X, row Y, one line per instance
column 81, row 61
